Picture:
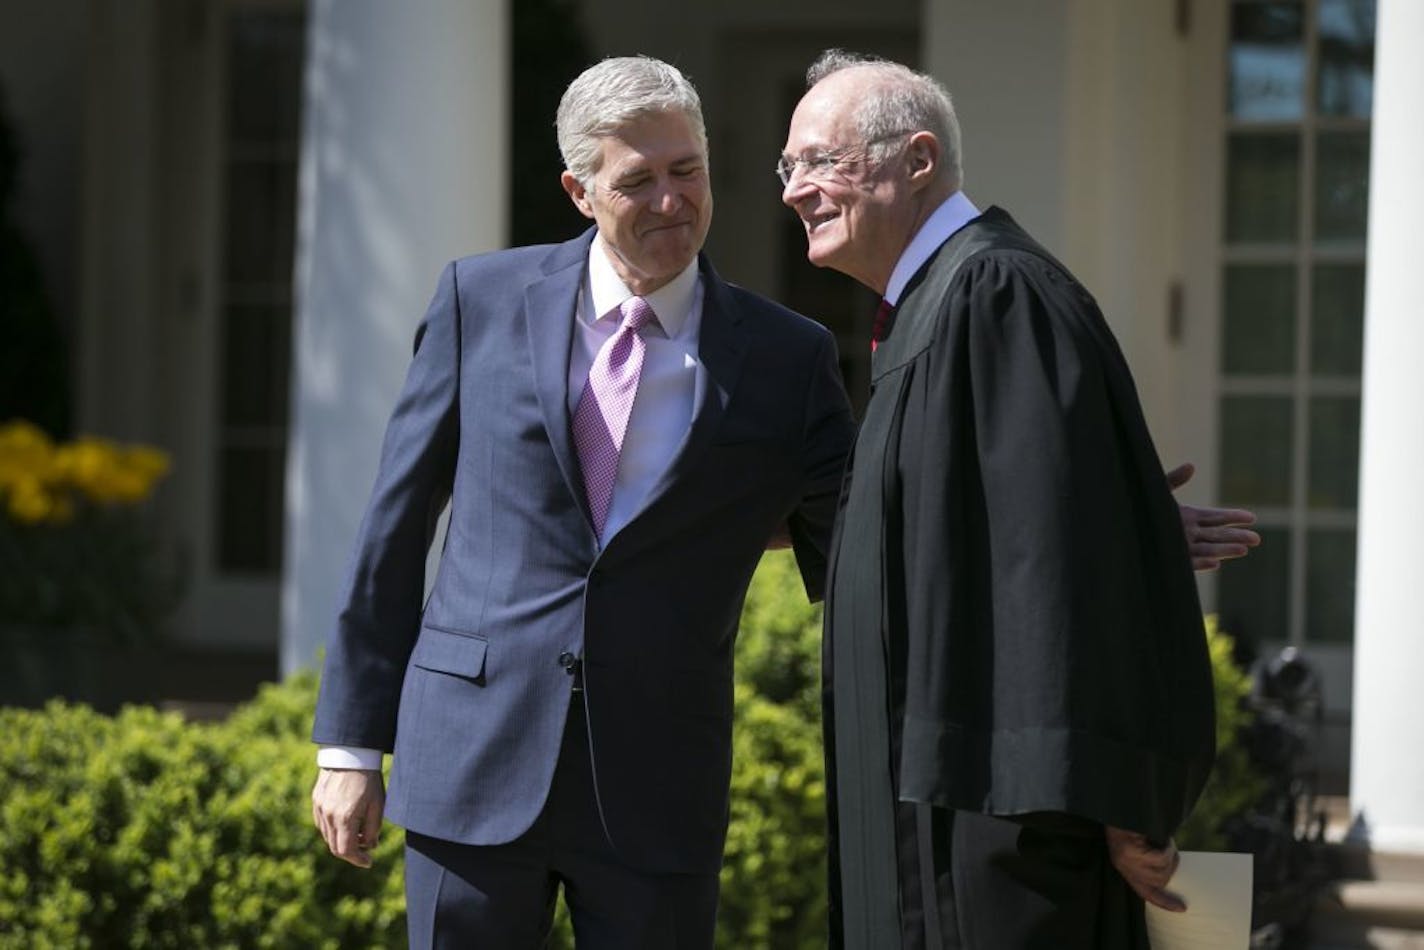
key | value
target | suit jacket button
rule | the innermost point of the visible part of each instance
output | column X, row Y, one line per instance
column 567, row 660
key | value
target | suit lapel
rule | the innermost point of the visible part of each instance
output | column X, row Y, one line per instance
column 721, row 348
column 549, row 310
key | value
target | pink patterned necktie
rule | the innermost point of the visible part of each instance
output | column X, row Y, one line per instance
column 601, row 418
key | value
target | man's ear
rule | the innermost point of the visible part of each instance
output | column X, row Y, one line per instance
column 577, row 193
column 922, row 158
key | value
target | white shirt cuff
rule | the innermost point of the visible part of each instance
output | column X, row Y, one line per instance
column 348, row 757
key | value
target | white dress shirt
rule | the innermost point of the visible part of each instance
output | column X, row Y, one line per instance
column 662, row 409
column 956, row 211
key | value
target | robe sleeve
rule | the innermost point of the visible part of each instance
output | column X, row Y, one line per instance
column 1056, row 660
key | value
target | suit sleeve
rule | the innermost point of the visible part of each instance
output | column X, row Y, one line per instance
column 380, row 604
column 829, row 430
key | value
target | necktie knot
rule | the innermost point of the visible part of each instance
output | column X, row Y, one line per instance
column 884, row 318
column 637, row 313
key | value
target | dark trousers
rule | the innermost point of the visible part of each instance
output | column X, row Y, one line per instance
column 501, row 897
column 975, row 882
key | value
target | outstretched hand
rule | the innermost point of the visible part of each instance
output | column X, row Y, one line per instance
column 1213, row 534
column 1145, row 868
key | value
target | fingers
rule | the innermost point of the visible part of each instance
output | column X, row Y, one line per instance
column 347, row 805
column 371, row 824
column 350, row 844
column 1217, row 517
column 1160, row 897
column 1180, row 475
column 1236, row 537
column 1218, row 552
column 1147, row 870
column 1215, row 535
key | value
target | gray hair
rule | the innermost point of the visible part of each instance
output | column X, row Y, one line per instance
column 607, row 96
column 901, row 100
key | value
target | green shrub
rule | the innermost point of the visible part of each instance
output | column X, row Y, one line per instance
column 774, row 868
column 1233, row 785
column 143, row 830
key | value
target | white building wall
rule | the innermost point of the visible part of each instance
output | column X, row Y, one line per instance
column 1006, row 67
column 404, row 167
column 1071, row 115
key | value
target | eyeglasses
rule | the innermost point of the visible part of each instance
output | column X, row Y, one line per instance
column 820, row 166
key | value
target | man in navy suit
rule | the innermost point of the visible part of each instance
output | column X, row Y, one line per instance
column 560, row 710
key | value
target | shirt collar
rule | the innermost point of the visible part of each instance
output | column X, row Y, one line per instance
column 954, row 213
column 672, row 302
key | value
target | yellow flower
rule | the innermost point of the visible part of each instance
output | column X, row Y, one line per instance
column 26, row 454
column 29, row 502
column 45, row 481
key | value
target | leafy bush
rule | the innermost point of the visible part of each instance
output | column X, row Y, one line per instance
column 145, row 830
column 1234, row 785
column 774, row 867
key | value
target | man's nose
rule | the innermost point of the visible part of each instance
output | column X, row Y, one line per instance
column 796, row 188
column 667, row 199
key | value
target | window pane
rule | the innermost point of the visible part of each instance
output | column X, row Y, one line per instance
column 1341, row 184
column 1258, row 335
column 1345, row 85
column 265, row 53
column 1337, row 319
column 1334, row 452
column 1256, row 450
column 1267, row 61
column 1329, row 585
column 1262, row 186
column 250, row 509
column 261, row 222
column 264, row 94
column 1251, row 593
column 255, row 366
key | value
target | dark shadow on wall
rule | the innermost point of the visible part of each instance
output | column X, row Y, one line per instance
column 34, row 365
column 548, row 50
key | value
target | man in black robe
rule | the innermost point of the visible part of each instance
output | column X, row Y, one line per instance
column 1019, row 700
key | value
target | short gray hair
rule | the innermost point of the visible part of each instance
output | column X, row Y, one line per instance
column 901, row 100
column 610, row 94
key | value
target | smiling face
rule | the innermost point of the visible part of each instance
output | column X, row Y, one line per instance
column 859, row 215
column 650, row 198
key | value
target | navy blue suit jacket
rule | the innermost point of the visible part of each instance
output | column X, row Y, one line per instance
column 469, row 692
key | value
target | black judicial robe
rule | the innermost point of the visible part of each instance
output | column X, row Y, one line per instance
column 1012, row 624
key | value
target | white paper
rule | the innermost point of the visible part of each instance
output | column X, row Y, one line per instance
column 1217, row 889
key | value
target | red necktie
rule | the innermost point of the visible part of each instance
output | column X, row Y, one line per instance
column 884, row 319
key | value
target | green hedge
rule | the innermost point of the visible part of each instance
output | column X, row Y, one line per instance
column 1234, row 785
column 143, row 830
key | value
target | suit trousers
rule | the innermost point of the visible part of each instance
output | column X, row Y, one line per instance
column 501, row 897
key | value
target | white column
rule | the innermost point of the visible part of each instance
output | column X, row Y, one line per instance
column 1387, row 770
column 404, row 167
